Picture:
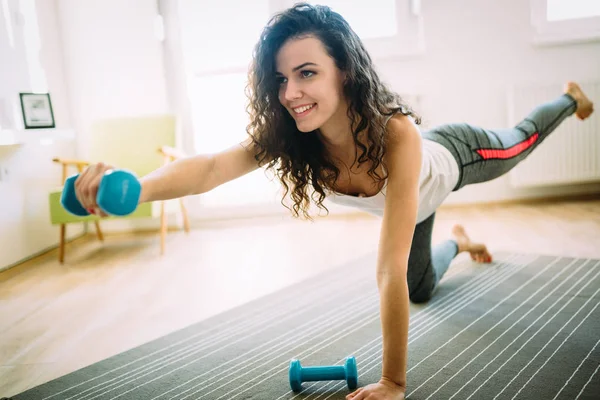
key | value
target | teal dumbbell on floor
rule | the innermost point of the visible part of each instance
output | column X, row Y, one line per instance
column 299, row 374
column 118, row 194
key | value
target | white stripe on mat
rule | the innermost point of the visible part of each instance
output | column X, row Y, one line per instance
column 463, row 301
column 587, row 383
column 459, row 294
column 576, row 370
column 472, row 359
column 520, row 348
column 551, row 339
column 558, row 348
column 485, row 314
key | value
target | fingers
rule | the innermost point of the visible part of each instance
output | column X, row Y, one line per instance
column 356, row 395
column 92, row 191
column 481, row 257
column 86, row 186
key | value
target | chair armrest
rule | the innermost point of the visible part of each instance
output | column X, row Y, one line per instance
column 171, row 152
column 66, row 161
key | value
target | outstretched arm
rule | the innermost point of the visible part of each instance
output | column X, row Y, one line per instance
column 399, row 219
column 198, row 174
column 186, row 176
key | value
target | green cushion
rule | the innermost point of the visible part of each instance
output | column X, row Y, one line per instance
column 130, row 143
column 58, row 215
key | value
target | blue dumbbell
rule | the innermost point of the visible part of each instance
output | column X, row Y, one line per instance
column 299, row 374
column 118, row 194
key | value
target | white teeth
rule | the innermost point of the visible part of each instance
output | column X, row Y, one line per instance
column 302, row 109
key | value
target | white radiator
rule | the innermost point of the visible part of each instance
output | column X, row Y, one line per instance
column 571, row 154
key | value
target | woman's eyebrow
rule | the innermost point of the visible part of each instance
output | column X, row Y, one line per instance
column 298, row 67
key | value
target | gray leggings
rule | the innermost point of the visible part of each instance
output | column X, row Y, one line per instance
column 482, row 155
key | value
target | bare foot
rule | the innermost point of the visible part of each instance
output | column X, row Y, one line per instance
column 584, row 105
column 478, row 251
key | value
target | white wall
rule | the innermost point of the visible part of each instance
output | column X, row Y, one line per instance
column 101, row 59
column 113, row 61
column 28, row 173
column 475, row 50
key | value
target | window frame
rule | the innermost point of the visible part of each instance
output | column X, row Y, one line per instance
column 564, row 31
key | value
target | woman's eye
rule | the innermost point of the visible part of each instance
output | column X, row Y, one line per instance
column 281, row 80
column 307, row 74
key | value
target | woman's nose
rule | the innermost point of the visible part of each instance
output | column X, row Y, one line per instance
column 292, row 91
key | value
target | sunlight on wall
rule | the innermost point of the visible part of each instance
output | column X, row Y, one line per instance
column 31, row 36
column 572, row 9
column 372, row 19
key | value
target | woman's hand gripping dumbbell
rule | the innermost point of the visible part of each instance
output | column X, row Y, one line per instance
column 101, row 190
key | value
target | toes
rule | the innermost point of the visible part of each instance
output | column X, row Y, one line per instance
column 481, row 257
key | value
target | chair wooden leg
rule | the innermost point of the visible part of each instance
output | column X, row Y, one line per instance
column 99, row 231
column 61, row 248
column 186, row 221
column 163, row 227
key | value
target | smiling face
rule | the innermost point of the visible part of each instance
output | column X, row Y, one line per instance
column 310, row 84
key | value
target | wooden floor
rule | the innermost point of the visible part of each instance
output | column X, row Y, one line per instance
column 110, row 297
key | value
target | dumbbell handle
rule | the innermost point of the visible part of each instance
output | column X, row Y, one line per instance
column 118, row 194
column 335, row 372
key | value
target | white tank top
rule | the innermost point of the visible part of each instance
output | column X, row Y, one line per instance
column 439, row 175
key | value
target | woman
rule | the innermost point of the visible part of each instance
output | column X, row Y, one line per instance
column 320, row 116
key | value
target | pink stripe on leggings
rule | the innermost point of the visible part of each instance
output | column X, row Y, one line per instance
column 510, row 152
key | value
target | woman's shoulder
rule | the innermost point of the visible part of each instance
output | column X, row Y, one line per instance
column 402, row 128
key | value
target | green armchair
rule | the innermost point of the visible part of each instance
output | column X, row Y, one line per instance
column 139, row 144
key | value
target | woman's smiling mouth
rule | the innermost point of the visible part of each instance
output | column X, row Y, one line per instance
column 303, row 110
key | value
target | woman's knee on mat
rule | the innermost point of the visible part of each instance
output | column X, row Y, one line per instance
column 422, row 291
column 422, row 295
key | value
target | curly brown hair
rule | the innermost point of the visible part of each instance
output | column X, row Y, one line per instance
column 301, row 161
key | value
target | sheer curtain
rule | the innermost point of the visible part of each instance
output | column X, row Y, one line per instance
column 218, row 38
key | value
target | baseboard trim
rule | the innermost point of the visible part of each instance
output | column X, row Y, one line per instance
column 82, row 237
column 526, row 201
column 43, row 252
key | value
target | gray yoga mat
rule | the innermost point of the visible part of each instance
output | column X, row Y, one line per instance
column 525, row 326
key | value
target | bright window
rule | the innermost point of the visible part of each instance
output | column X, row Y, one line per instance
column 558, row 10
column 565, row 21
column 373, row 19
column 388, row 28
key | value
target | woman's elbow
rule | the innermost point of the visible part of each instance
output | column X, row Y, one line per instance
column 392, row 272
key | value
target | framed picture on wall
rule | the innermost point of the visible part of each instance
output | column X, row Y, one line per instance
column 37, row 110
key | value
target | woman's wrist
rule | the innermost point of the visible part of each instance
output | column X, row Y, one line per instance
column 144, row 192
